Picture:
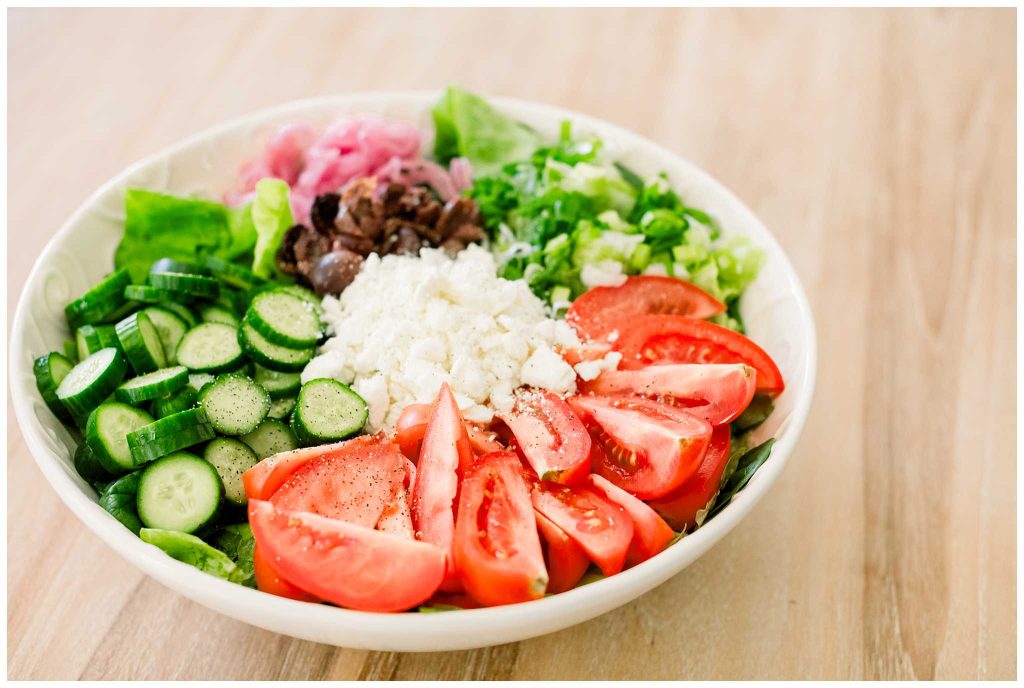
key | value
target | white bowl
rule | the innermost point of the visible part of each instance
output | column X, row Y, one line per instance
column 774, row 308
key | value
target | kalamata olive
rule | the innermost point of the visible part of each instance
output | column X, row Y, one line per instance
column 335, row 271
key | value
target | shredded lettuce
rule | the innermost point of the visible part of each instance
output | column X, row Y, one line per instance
column 467, row 126
column 271, row 218
column 564, row 218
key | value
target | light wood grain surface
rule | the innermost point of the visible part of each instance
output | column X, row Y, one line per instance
column 879, row 146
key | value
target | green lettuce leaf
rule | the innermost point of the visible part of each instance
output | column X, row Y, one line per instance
column 467, row 126
column 193, row 551
column 159, row 225
column 237, row 542
column 242, row 229
column 271, row 218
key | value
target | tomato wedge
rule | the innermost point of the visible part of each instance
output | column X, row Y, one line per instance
column 410, row 429
column 497, row 550
column 397, row 515
column 650, row 532
column 651, row 339
column 483, row 441
column 550, row 436
column 354, row 485
column 445, row 452
column 587, row 350
column 268, row 580
column 681, row 506
column 346, row 564
column 601, row 528
column 645, row 447
column 262, row 480
column 717, row 392
column 566, row 560
column 602, row 310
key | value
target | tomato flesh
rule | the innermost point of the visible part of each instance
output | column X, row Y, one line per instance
column 410, row 429
column 262, row 480
column 675, row 339
column 268, row 580
column 483, row 441
column 346, row 564
column 550, row 436
column 602, row 529
column 566, row 560
column 717, row 392
column 602, row 310
column 397, row 515
column 681, row 506
column 645, row 447
column 650, row 532
column 445, row 452
column 353, row 485
column 497, row 550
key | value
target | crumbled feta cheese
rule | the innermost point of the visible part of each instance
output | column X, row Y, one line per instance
column 589, row 370
column 656, row 269
column 407, row 324
column 605, row 273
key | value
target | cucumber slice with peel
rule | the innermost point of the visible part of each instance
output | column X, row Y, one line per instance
column 273, row 436
column 153, row 385
column 179, row 492
column 231, row 458
column 284, row 319
column 170, row 326
column 183, row 283
column 327, row 411
column 169, row 434
column 210, row 348
column 50, row 370
column 91, row 338
column 176, row 402
column 282, row 408
column 141, row 343
column 277, row 384
column 270, row 355
column 91, row 381
column 235, row 404
column 106, row 433
column 99, row 303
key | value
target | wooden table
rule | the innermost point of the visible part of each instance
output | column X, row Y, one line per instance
column 878, row 145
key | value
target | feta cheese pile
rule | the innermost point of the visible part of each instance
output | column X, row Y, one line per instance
column 406, row 324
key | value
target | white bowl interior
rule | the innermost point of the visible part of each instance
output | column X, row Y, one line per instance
column 774, row 308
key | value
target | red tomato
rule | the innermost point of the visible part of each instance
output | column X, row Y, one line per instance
column 586, row 351
column 346, row 564
column 497, row 551
column 600, row 527
column 718, row 393
column 650, row 532
column 483, row 441
column 550, row 436
column 645, row 447
column 397, row 515
column 444, row 454
column 680, row 506
column 352, row 486
column 567, row 562
column 601, row 310
column 651, row 339
column 262, row 480
column 410, row 428
column 267, row 580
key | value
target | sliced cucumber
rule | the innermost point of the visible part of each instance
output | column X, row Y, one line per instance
column 277, row 384
column 327, row 411
column 91, row 381
column 182, row 311
column 284, row 319
column 91, row 338
column 146, row 293
column 183, row 283
column 99, row 303
column 107, row 431
column 88, row 466
column 218, row 314
column 179, row 492
column 231, row 458
column 71, row 351
column 170, row 326
column 173, row 265
column 141, row 343
column 182, row 400
column 169, row 434
column 199, row 380
column 271, row 355
column 153, row 385
column 50, row 370
column 232, row 273
column 306, row 295
column 281, row 408
column 235, row 404
column 210, row 348
column 273, row 436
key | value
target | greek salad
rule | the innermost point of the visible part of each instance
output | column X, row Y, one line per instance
column 394, row 370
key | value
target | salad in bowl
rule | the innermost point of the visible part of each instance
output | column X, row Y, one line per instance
column 391, row 366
